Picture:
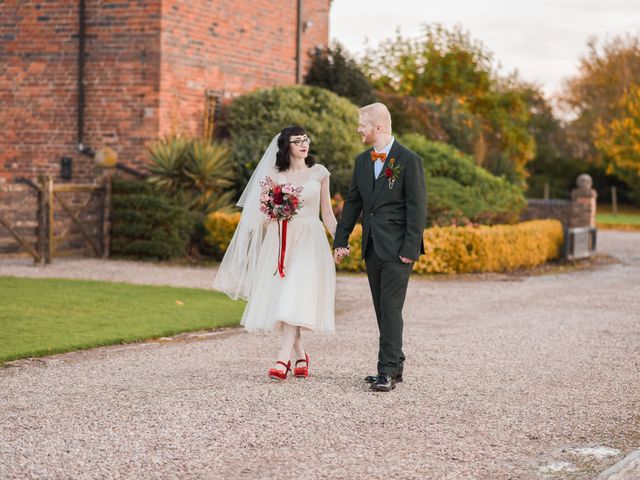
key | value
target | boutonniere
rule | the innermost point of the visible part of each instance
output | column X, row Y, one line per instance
column 392, row 172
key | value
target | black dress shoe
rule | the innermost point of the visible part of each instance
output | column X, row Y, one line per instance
column 373, row 378
column 384, row 383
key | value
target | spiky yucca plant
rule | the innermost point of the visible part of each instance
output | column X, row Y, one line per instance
column 212, row 176
column 196, row 172
column 168, row 160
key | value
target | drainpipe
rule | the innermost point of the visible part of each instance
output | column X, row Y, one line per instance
column 299, row 44
column 81, row 49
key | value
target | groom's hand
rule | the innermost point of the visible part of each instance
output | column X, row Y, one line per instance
column 405, row 259
column 338, row 253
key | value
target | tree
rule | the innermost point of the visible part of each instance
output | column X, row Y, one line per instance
column 482, row 113
column 593, row 96
column 619, row 141
column 602, row 98
column 333, row 69
column 552, row 163
column 440, row 64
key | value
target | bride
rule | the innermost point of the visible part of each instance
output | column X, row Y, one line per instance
column 304, row 297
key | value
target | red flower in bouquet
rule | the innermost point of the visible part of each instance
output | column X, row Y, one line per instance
column 279, row 201
column 277, row 195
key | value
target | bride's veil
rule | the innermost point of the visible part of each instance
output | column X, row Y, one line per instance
column 237, row 270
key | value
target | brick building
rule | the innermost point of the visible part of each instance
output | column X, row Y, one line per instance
column 121, row 73
column 148, row 68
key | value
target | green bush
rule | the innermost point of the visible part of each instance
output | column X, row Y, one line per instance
column 459, row 191
column 254, row 118
column 146, row 223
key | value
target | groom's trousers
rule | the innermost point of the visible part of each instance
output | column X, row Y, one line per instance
column 388, row 281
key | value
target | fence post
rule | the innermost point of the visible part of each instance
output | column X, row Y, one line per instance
column 106, row 218
column 49, row 223
column 42, row 219
column 614, row 200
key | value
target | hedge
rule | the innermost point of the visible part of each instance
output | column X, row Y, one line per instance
column 147, row 223
column 497, row 248
column 459, row 191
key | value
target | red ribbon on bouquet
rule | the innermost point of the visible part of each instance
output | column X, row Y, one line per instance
column 282, row 247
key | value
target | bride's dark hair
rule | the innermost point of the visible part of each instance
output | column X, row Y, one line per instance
column 283, row 162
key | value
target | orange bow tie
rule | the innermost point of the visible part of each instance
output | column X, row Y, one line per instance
column 378, row 156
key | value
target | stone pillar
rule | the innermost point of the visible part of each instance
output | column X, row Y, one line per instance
column 583, row 203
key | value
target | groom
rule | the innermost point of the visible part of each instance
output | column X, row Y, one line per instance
column 388, row 190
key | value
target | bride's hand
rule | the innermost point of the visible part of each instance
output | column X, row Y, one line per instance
column 339, row 253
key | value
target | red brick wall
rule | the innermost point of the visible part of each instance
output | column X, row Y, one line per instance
column 141, row 82
column 37, row 93
column 122, row 76
column 38, row 83
column 231, row 47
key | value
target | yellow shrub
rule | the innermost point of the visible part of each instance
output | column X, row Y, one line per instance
column 220, row 228
column 498, row 248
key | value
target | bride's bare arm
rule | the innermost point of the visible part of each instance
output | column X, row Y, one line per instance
column 328, row 218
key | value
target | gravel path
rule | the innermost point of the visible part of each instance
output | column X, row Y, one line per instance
column 506, row 377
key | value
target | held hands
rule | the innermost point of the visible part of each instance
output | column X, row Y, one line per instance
column 338, row 253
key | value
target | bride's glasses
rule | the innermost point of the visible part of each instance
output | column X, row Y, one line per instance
column 301, row 141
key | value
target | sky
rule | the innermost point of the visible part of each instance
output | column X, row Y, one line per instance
column 541, row 39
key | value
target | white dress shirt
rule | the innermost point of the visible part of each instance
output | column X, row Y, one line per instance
column 377, row 166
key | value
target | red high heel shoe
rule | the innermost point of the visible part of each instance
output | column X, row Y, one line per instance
column 302, row 372
column 277, row 374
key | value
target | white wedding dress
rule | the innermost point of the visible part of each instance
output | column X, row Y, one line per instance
column 305, row 296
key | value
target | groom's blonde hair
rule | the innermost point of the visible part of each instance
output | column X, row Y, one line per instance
column 378, row 114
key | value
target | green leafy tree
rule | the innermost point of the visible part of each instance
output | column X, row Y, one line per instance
column 439, row 64
column 482, row 113
column 333, row 69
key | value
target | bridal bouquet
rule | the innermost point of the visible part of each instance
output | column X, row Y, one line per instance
column 280, row 202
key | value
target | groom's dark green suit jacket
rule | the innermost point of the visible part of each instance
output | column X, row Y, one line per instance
column 394, row 218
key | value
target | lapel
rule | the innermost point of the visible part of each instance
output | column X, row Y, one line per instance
column 368, row 171
column 381, row 181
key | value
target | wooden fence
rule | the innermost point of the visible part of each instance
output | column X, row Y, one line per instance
column 45, row 220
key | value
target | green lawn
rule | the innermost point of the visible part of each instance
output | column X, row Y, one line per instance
column 44, row 316
column 620, row 219
column 628, row 217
